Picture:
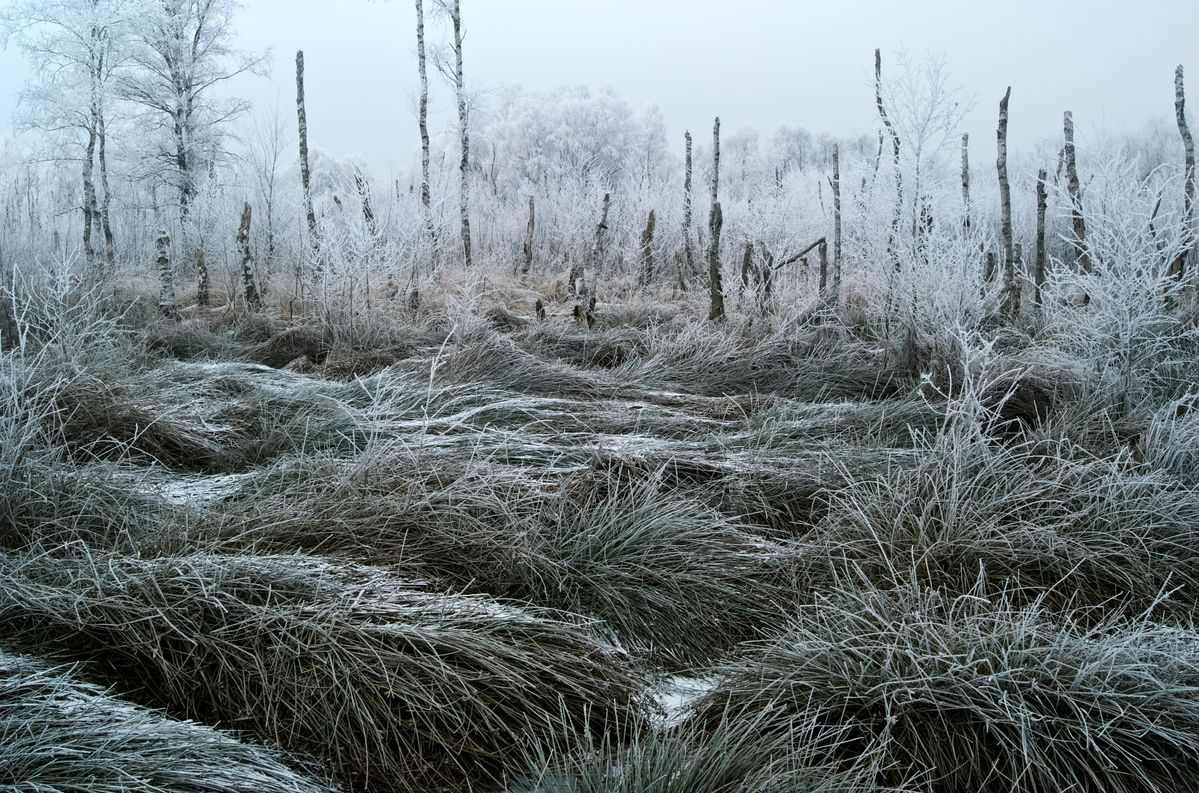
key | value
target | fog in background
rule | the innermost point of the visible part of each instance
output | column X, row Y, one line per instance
column 757, row 62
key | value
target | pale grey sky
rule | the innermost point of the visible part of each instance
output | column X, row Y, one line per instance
column 758, row 62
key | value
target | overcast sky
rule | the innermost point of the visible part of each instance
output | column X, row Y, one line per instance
column 758, row 62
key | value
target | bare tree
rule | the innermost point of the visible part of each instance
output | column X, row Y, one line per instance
column 892, row 240
column 1178, row 267
column 305, row 171
column 184, row 54
column 423, row 122
column 454, row 9
column 1074, row 188
column 715, row 223
column 1011, row 295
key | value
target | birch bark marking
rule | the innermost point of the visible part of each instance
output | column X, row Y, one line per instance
column 1011, row 296
column 1178, row 267
column 305, row 173
column 836, row 217
column 455, row 8
column 166, row 279
column 423, row 121
column 966, row 182
column 249, row 288
column 688, row 262
column 1042, row 205
column 715, row 223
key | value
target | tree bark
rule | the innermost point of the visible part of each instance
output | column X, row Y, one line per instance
column 250, row 289
column 893, row 238
column 423, row 120
column 715, row 223
column 201, row 279
column 688, row 260
column 1011, row 295
column 455, row 7
column 89, row 208
column 647, row 250
column 1178, row 267
column 166, row 279
column 597, row 246
column 966, row 182
column 305, row 172
column 836, row 217
column 1075, row 190
column 110, row 244
column 528, row 246
column 1042, row 205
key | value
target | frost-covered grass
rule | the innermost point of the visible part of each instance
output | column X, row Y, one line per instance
column 455, row 548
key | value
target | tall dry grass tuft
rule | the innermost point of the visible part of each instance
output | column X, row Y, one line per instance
column 396, row 687
column 60, row 733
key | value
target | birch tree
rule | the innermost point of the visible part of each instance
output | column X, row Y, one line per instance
column 77, row 50
column 184, row 52
column 1011, row 295
column 715, row 224
column 1188, row 186
column 423, row 122
column 454, row 9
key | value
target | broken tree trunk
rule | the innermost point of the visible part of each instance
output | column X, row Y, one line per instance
column 597, row 245
column 836, row 217
column 1042, row 205
column 1190, row 235
column 647, row 250
column 528, row 246
column 201, row 279
column 1011, row 296
column 688, row 262
column 966, row 182
column 249, row 288
column 368, row 212
column 715, row 223
column 166, row 279
column 1075, row 190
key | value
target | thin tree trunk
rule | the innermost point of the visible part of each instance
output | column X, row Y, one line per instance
column 747, row 265
column 423, row 120
column 822, row 252
column 1190, row 236
column 1042, row 205
column 463, row 135
column 893, row 238
column 528, row 246
column 166, row 279
column 89, row 207
column 110, row 245
column 201, row 279
column 688, row 260
column 836, row 217
column 1075, row 191
column 1011, row 294
column 715, row 223
column 305, row 172
column 966, row 182
column 647, row 250
column 368, row 212
column 597, row 246
column 250, row 289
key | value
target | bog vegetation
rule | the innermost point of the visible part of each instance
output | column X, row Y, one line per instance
column 567, row 462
